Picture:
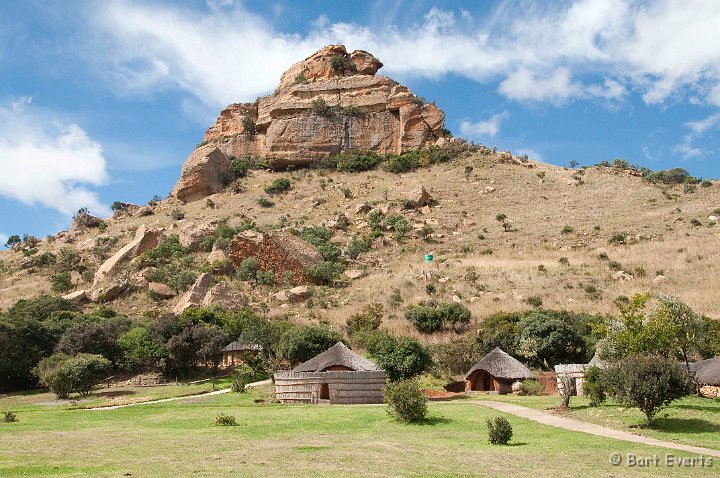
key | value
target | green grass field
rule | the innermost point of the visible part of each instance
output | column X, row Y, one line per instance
column 691, row 420
column 177, row 439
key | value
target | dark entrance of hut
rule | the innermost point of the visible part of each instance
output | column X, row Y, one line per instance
column 324, row 392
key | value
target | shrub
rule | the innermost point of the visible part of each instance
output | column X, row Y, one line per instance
column 239, row 167
column 530, row 387
column 567, row 229
column 248, row 125
column 426, row 320
column 12, row 240
column 534, row 301
column 177, row 214
column 9, row 417
column 646, row 382
column 401, row 163
column 265, row 202
column 614, row 265
column 248, row 269
column 405, row 401
column 301, row 343
column 499, row 431
column 60, row 282
column 355, row 162
column 224, row 420
column 357, row 246
column 325, row 272
column 618, row 238
column 593, row 386
column 241, row 378
column 265, row 277
column 368, row 319
column 319, row 106
column 64, row 374
column 280, row 185
column 138, row 350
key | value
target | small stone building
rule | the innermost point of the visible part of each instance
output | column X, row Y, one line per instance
column 336, row 376
column 496, row 373
column 235, row 353
column 576, row 372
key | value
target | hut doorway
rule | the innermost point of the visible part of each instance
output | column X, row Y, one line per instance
column 324, row 392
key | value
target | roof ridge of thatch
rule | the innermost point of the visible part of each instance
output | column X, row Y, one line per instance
column 337, row 355
column 500, row 364
column 241, row 345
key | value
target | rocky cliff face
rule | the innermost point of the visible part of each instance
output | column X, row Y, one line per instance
column 328, row 103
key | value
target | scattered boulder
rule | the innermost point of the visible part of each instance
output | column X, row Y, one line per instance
column 145, row 239
column 659, row 279
column 295, row 295
column 78, row 297
column 340, row 221
column 205, row 172
column 353, row 274
column 83, row 221
column 215, row 256
column 276, row 251
column 161, row 291
column 622, row 276
column 418, row 197
column 145, row 211
column 109, row 292
column 713, row 218
column 195, row 295
column 363, row 208
column 225, row 296
column 192, row 236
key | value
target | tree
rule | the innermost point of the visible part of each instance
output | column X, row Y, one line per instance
column 401, row 359
column 64, row 374
column 99, row 338
column 12, row 240
column 301, row 343
column 634, row 332
column 212, row 340
column 686, row 324
column 138, row 351
column 593, row 386
column 547, row 341
column 426, row 319
column 646, row 382
column 405, row 401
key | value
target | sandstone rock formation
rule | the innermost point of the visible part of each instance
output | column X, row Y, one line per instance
column 145, row 239
column 195, row 295
column 276, row 251
column 192, row 236
column 161, row 291
column 328, row 103
column 205, row 172
column 83, row 221
column 225, row 296
column 110, row 291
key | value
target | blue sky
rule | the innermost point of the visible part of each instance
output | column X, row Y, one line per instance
column 103, row 100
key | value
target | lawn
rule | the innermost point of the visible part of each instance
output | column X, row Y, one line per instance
column 177, row 439
column 690, row 420
column 101, row 396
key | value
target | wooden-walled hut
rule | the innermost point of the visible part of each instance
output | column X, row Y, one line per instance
column 337, row 375
column 496, row 372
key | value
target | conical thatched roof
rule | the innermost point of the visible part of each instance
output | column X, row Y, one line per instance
column 596, row 361
column 239, row 345
column 501, row 365
column 708, row 372
column 337, row 355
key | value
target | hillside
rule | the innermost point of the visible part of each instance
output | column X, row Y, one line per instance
column 476, row 260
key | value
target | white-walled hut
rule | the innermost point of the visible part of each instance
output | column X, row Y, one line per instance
column 576, row 373
column 337, row 375
column 496, row 372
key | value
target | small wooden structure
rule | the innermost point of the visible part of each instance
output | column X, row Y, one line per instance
column 234, row 354
column 496, row 373
column 337, row 375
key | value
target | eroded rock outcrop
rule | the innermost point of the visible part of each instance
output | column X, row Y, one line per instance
column 276, row 251
column 331, row 102
column 145, row 239
column 195, row 295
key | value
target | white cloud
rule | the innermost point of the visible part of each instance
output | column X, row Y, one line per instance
column 48, row 161
column 540, row 52
column 531, row 154
column 487, row 128
column 697, row 129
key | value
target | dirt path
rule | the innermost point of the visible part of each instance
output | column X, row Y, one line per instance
column 185, row 397
column 585, row 427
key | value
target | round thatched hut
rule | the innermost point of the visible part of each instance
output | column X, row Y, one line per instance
column 496, row 372
column 235, row 353
column 707, row 376
column 337, row 375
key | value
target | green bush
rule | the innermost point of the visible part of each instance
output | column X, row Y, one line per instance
column 301, row 343
column 64, row 374
column 225, row 420
column 239, row 167
column 242, row 376
column 499, row 431
column 646, row 382
column 265, row 202
column 280, row 185
column 369, row 318
column 426, row 319
column 405, row 401
column 248, row 269
column 355, row 162
column 401, row 359
column 534, row 301
column 248, row 125
column 357, row 246
column 325, row 272
column 593, row 386
column 265, row 277
column 530, row 387
column 60, row 282
column 401, row 163
column 9, row 417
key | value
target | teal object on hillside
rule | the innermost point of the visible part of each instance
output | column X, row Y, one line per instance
column 428, row 258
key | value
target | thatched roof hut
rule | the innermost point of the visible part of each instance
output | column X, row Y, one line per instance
column 337, row 357
column 496, row 372
column 234, row 353
column 708, row 372
column 596, row 361
column 337, row 375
